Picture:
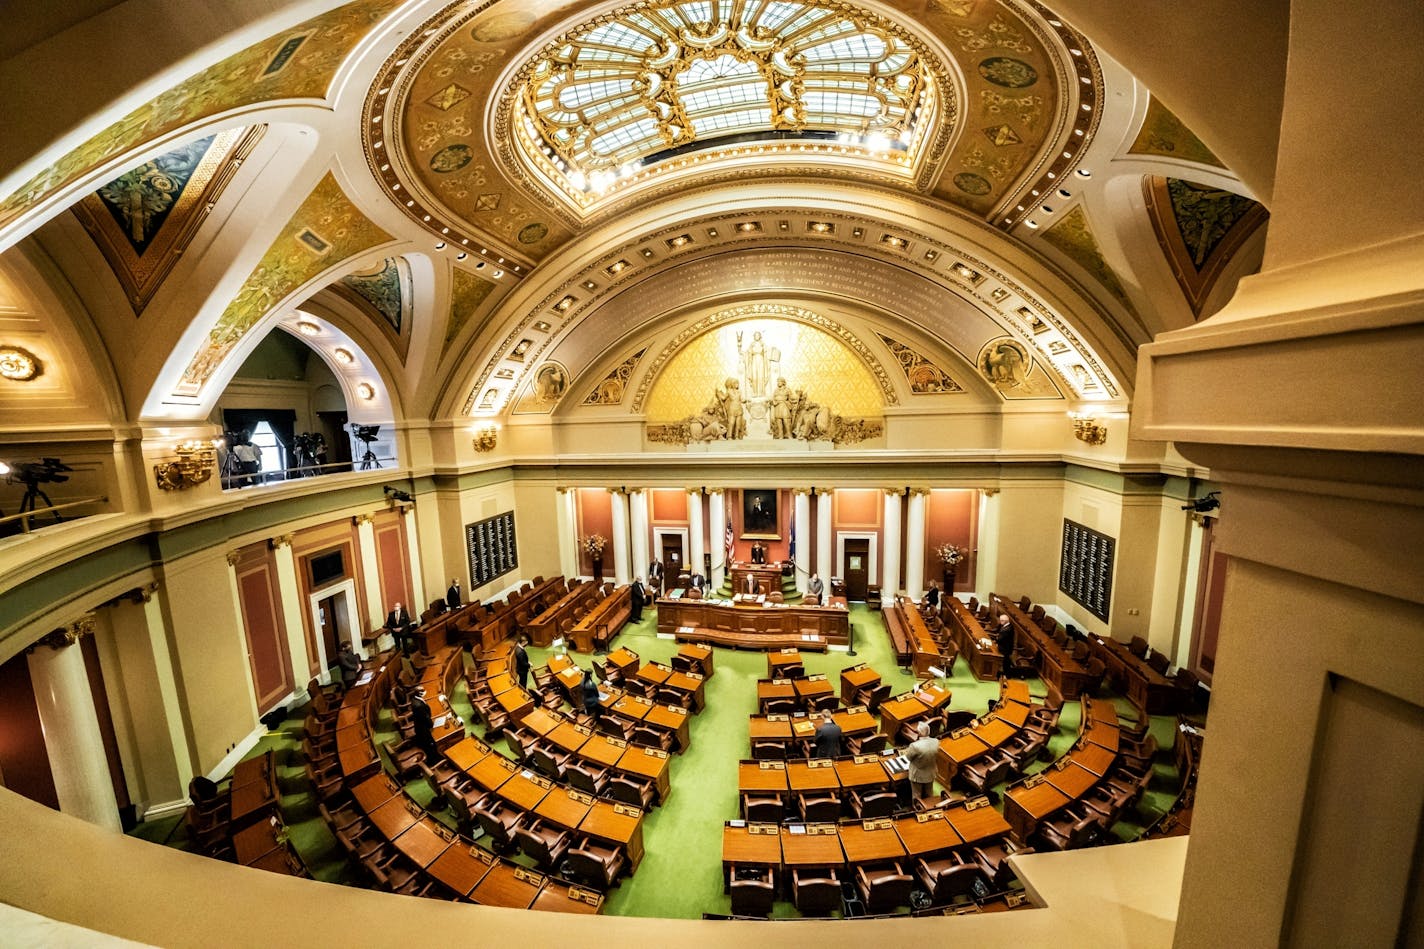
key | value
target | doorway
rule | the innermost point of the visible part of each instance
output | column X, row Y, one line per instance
column 331, row 611
column 855, row 567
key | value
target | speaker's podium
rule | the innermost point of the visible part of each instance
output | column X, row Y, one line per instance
column 768, row 576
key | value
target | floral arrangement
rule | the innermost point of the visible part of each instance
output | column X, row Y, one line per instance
column 593, row 544
column 950, row 555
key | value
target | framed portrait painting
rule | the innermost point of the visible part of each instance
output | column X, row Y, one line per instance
column 760, row 519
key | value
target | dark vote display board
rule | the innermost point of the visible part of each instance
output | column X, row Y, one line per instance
column 1086, row 570
column 492, row 548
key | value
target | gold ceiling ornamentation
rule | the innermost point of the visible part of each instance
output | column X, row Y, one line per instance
column 256, row 74
column 19, row 364
column 326, row 230
column 861, row 385
column 466, row 295
column 545, row 391
column 1200, row 229
column 1164, row 134
column 1075, row 239
column 610, row 390
column 924, row 377
column 602, row 102
column 1009, row 367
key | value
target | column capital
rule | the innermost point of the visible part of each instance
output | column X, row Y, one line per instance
column 919, row 492
column 564, row 488
column 280, row 541
column 136, row 596
column 617, row 490
column 989, row 492
column 696, row 491
column 714, row 491
column 801, row 491
column 66, row 636
column 360, row 519
column 233, row 556
column 893, row 492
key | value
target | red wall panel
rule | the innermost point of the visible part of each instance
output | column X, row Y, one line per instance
column 394, row 569
column 595, row 516
column 24, row 761
column 266, row 633
column 951, row 517
column 669, row 506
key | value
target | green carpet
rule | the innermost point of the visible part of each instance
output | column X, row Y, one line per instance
column 681, row 872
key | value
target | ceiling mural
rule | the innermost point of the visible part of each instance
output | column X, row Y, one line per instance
column 143, row 220
column 466, row 294
column 298, row 63
column 1074, row 237
column 610, row 391
column 1200, row 230
column 428, row 109
column 385, row 288
column 323, row 232
column 923, row 376
column 1164, row 134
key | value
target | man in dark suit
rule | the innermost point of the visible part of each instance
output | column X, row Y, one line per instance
column 932, row 595
column 655, row 576
column 828, row 737
column 697, row 581
column 590, row 696
column 452, row 595
column 422, row 724
column 398, row 622
column 749, row 584
column 350, row 665
column 637, row 597
column 521, row 661
column 1004, row 639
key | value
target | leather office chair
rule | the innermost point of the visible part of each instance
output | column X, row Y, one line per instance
column 673, row 697
column 544, row 843
column 208, row 799
column 586, row 776
column 947, row 877
column 1138, row 647
column 405, row 756
column 983, row 773
column 973, row 604
column 753, row 890
column 1024, row 749
column 1071, row 829
column 693, row 594
column 763, row 809
column 341, row 816
column 498, row 820
column 548, row 763
column 543, row 678
column 768, row 749
column 873, row 804
column 825, row 703
column 681, row 663
column 780, row 706
column 821, row 808
column 520, row 741
column 1159, row 661
column 818, row 893
column 795, row 671
column 651, row 737
column 457, row 803
column 439, row 775
column 811, row 599
column 1025, row 603
column 883, row 887
column 326, row 784
column 626, row 790
column 594, row 863
column 993, row 861
column 867, row 744
column 614, row 727
column 1136, row 756
column 360, row 843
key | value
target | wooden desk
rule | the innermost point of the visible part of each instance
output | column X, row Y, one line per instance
column 568, row 737
column 632, row 707
column 781, row 660
column 650, row 763
column 769, row 727
column 1146, row 688
column 465, row 754
column 985, row 661
column 254, row 790
column 927, row 834
column 423, row 842
column 768, row 576
column 461, row 868
column 256, row 841
column 491, row 771
column 754, row 626
column 375, row 791
column 811, row 845
column 624, row 660
column 1015, row 713
column 976, row 821
column 653, row 672
column 911, row 707
column 700, row 655
column 525, row 790
column 811, row 688
column 1070, row 778
column 508, row 885
column 672, row 719
column 955, row 753
column 862, row 771
column 564, row 807
column 871, row 841
column 1055, row 664
column 855, row 721
column 816, row 775
column 1025, row 806
column 556, row 896
column 393, row 818
column 617, row 824
column 762, row 777
column 749, row 845
column 1095, row 758
column 771, row 690
column 855, row 679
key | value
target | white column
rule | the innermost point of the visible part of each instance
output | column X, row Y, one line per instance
column 803, row 538
column 371, row 575
column 890, row 556
column 986, row 555
column 717, row 517
column 620, row 536
column 638, row 518
column 412, row 555
column 292, row 607
column 567, row 532
column 695, row 532
column 915, row 543
column 71, row 727
column 825, row 539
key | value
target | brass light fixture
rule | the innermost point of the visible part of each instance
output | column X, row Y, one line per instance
column 486, row 438
column 1088, row 429
column 193, row 466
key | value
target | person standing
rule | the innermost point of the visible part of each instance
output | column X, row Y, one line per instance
column 398, row 622
column 921, row 754
column 828, row 737
column 932, row 595
column 521, row 661
column 452, row 595
column 696, row 581
column 1004, row 639
column 655, row 576
column 749, row 584
column 349, row 663
column 422, row 724
column 637, row 599
column 590, row 696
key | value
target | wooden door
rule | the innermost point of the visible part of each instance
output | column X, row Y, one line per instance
column 332, row 610
column 672, row 556
column 856, row 568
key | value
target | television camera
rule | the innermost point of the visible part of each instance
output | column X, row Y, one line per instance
column 1204, row 505
column 32, row 474
column 367, row 434
column 310, row 451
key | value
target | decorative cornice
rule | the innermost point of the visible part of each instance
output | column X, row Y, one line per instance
column 66, row 635
column 137, row 596
column 988, row 492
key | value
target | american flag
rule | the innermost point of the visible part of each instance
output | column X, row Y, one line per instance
column 730, row 538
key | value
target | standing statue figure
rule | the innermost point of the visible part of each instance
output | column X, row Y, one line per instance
column 754, row 365
column 732, row 415
column 781, row 410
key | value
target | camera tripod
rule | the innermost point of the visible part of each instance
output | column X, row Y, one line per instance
column 29, row 504
column 369, row 459
column 230, row 468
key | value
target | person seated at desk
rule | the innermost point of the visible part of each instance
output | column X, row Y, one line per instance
column 749, row 584
column 815, row 587
column 697, row 581
column 828, row 737
column 932, row 595
column 350, row 665
column 758, row 553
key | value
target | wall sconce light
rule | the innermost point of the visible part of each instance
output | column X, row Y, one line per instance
column 194, row 465
column 1088, row 429
column 486, row 438
column 18, row 364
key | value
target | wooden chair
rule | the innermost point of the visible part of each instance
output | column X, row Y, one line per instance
column 762, row 809
column 753, row 891
column 818, row 895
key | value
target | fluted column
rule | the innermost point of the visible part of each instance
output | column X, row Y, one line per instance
column 412, row 556
column 290, row 596
column 915, row 542
column 567, row 531
column 371, row 574
column 696, row 532
column 71, row 726
column 986, row 554
column 717, row 516
column 802, row 559
column 825, row 535
column 638, row 515
column 890, row 556
column 620, row 536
